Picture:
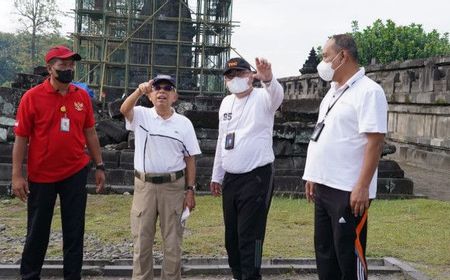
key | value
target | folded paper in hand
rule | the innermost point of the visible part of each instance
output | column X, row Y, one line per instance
column 184, row 216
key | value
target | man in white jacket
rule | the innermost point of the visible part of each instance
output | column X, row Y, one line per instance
column 243, row 164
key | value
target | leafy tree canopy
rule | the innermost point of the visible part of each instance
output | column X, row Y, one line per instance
column 38, row 18
column 385, row 42
column 14, row 53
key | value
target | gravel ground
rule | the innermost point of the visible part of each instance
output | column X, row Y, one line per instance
column 11, row 248
column 123, row 250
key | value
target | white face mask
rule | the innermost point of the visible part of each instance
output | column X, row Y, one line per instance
column 238, row 85
column 326, row 72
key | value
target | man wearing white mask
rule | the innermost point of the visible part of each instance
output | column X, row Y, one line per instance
column 243, row 164
column 342, row 160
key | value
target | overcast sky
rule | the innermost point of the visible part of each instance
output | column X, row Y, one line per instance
column 284, row 31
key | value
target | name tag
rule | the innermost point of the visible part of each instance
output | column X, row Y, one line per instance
column 317, row 130
column 229, row 141
column 65, row 124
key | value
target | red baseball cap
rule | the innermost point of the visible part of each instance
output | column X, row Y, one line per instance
column 61, row 52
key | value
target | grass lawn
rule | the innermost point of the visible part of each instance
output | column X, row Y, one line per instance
column 416, row 231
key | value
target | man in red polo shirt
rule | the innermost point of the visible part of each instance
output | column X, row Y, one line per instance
column 56, row 119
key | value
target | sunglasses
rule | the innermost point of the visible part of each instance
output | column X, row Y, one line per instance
column 236, row 73
column 165, row 88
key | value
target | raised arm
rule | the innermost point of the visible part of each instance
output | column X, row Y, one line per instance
column 273, row 87
column 127, row 106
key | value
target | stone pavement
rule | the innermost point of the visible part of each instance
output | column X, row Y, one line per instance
column 292, row 276
column 396, row 276
column 217, row 269
column 434, row 184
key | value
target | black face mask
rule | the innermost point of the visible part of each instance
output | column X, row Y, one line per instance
column 64, row 76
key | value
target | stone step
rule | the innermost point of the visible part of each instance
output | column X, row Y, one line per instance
column 203, row 119
column 6, row 152
column 4, row 188
column 289, row 179
column 5, row 171
column 395, row 186
column 207, row 146
column 281, row 147
column 124, row 160
column 206, row 133
column 203, row 189
column 281, row 183
column 115, row 177
column 206, row 267
column 389, row 169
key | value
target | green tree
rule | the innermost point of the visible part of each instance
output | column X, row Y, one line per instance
column 8, row 57
column 387, row 42
column 38, row 17
column 14, row 54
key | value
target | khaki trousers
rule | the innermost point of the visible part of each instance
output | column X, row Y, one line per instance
column 150, row 201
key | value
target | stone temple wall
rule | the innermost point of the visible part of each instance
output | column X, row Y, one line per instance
column 419, row 106
column 418, row 92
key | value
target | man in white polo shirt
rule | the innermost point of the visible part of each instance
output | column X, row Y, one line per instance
column 243, row 164
column 342, row 160
column 164, row 162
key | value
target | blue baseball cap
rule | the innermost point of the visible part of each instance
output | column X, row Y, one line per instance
column 167, row 78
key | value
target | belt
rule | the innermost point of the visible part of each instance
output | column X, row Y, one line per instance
column 158, row 178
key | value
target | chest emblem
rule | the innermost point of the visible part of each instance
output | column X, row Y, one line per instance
column 79, row 106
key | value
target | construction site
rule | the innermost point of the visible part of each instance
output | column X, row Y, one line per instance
column 126, row 42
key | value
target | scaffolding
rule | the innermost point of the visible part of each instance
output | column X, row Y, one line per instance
column 126, row 42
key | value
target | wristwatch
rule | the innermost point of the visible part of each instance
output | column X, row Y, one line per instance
column 100, row 166
column 267, row 83
column 190, row 188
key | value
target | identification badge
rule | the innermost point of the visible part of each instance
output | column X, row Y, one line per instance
column 317, row 130
column 65, row 124
column 229, row 141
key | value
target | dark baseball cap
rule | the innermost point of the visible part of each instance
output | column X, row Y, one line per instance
column 167, row 78
column 236, row 63
column 61, row 52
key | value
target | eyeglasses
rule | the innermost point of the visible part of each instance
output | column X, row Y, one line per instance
column 165, row 88
column 236, row 73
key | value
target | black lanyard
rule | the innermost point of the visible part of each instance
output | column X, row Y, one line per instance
column 242, row 112
column 330, row 106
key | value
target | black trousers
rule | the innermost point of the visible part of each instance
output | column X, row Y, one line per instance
column 246, row 202
column 339, row 237
column 41, row 202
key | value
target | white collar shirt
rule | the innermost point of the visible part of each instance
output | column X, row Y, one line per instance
column 161, row 144
column 336, row 158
